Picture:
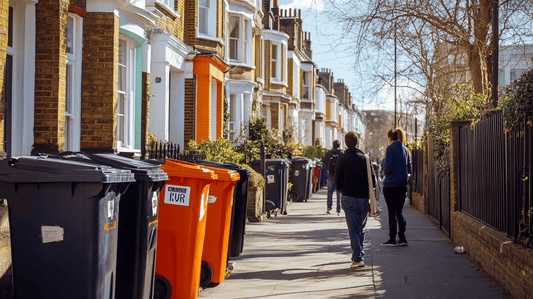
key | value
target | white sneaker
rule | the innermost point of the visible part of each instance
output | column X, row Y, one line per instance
column 357, row 265
column 338, row 213
column 328, row 212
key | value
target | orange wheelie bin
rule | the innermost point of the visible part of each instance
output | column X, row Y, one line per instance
column 215, row 254
column 182, row 222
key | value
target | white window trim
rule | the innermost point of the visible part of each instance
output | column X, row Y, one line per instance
column 23, row 53
column 244, row 41
column 129, row 109
column 306, row 74
column 211, row 24
column 277, row 78
column 74, row 60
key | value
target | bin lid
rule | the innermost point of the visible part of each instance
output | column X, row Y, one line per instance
column 34, row 169
column 143, row 171
column 300, row 160
column 189, row 170
column 233, row 166
column 224, row 174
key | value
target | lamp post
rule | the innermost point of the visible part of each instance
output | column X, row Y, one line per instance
column 495, row 50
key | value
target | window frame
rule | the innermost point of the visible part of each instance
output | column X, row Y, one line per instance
column 211, row 22
column 73, row 86
column 306, row 75
column 275, row 71
column 128, row 128
column 243, row 42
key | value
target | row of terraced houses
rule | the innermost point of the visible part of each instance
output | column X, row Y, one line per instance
column 95, row 75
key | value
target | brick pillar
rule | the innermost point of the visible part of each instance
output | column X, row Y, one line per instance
column 454, row 168
column 50, row 76
column 99, row 82
column 4, row 21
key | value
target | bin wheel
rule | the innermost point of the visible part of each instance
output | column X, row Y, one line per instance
column 206, row 274
column 294, row 196
column 163, row 288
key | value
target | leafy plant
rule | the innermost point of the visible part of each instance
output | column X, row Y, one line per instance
column 312, row 152
column 220, row 150
column 516, row 104
column 463, row 105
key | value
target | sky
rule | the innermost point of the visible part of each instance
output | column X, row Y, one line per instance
column 324, row 35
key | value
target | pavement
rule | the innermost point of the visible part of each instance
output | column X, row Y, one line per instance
column 306, row 254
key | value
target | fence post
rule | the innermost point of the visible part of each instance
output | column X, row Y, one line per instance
column 454, row 168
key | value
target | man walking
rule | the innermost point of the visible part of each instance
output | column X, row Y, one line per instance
column 351, row 179
column 330, row 161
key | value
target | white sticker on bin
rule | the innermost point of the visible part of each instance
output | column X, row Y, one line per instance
column 177, row 195
column 155, row 199
column 51, row 234
column 110, row 209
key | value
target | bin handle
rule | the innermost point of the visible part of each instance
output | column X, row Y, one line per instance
column 211, row 199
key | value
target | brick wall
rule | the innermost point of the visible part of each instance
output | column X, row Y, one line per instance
column 4, row 21
column 274, row 114
column 510, row 264
column 191, row 21
column 50, row 76
column 190, row 108
column 99, row 82
column 419, row 202
column 173, row 25
column 290, row 76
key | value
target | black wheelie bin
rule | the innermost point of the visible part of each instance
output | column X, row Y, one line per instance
column 137, row 232
column 64, row 226
column 298, row 176
column 277, row 179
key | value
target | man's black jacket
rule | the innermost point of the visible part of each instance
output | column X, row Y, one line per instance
column 351, row 174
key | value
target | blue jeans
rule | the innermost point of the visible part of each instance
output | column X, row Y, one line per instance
column 331, row 189
column 356, row 210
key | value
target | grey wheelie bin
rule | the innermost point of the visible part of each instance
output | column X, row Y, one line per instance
column 277, row 179
column 63, row 217
column 298, row 176
column 137, row 232
column 240, row 199
column 309, row 190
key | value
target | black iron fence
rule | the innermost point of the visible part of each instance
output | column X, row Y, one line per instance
column 159, row 150
column 438, row 201
column 494, row 177
column 417, row 176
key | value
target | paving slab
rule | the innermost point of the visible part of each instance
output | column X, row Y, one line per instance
column 306, row 254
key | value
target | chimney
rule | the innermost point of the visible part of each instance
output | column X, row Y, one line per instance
column 275, row 3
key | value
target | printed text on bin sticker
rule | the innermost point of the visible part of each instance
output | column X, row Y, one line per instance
column 270, row 178
column 177, row 195
column 154, row 203
column 51, row 234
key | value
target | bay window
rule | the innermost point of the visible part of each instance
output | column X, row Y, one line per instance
column 239, row 39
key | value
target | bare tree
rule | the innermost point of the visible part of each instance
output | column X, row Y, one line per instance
column 441, row 42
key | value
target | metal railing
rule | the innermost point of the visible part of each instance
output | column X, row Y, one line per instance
column 438, row 201
column 417, row 176
column 490, row 170
column 159, row 150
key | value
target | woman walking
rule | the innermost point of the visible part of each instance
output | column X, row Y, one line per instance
column 397, row 166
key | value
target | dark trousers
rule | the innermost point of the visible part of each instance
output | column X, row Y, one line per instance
column 395, row 199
